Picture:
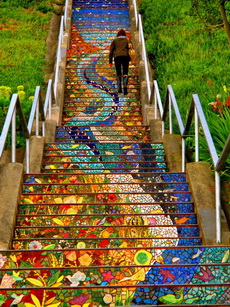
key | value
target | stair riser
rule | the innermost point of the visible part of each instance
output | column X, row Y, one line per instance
column 94, row 276
column 159, row 231
column 64, row 243
column 119, row 295
column 107, row 197
column 136, row 178
column 108, row 220
column 170, row 255
column 100, row 208
column 101, row 187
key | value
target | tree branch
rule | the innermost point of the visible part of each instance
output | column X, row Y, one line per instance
column 195, row 5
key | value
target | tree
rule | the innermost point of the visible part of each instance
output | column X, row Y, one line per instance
column 213, row 14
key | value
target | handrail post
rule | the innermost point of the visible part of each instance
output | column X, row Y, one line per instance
column 27, row 155
column 155, row 101
column 196, row 135
column 50, row 100
column 60, row 41
column 144, row 57
column 37, row 117
column 135, row 13
column 170, row 114
column 65, row 12
column 218, row 207
column 13, row 140
column 183, row 145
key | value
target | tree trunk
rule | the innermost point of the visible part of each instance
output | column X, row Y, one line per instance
column 225, row 20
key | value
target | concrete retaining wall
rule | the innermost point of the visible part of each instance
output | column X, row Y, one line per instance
column 10, row 190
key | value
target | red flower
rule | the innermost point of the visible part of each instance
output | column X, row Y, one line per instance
column 110, row 229
column 103, row 243
column 228, row 102
column 91, row 235
column 112, row 197
column 82, row 232
column 110, row 219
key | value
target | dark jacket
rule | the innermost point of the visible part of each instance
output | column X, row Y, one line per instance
column 119, row 47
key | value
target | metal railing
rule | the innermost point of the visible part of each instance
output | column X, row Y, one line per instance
column 37, row 115
column 58, row 54
column 61, row 36
column 195, row 113
column 10, row 121
column 38, row 112
column 144, row 55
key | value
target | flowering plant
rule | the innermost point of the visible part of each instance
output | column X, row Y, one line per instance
column 221, row 104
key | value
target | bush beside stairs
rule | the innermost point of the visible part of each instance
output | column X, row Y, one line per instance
column 105, row 223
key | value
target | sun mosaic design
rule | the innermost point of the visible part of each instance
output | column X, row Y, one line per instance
column 103, row 224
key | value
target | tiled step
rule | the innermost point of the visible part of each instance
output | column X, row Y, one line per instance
column 120, row 129
column 94, row 219
column 102, row 114
column 170, row 256
column 93, row 242
column 70, row 170
column 65, row 156
column 102, row 187
column 92, row 197
column 94, row 274
column 102, row 295
column 159, row 231
column 125, row 147
column 116, row 162
column 69, row 134
column 176, row 270
column 101, row 120
column 107, row 138
column 102, row 207
column 136, row 178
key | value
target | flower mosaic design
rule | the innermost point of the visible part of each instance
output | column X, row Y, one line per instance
column 135, row 263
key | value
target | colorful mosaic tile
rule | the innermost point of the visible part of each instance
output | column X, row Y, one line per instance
column 105, row 223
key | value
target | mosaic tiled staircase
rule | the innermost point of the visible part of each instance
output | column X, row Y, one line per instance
column 105, row 223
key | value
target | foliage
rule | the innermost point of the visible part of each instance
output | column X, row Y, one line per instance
column 219, row 124
column 26, row 103
column 185, row 53
column 182, row 51
column 24, row 26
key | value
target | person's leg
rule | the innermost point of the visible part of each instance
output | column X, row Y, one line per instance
column 118, row 62
column 125, row 65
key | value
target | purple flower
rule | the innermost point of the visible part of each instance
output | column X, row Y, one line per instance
column 79, row 300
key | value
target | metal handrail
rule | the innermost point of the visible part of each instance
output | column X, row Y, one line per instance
column 48, row 99
column 223, row 156
column 196, row 113
column 135, row 13
column 14, row 107
column 58, row 55
column 65, row 12
column 37, row 108
column 139, row 27
column 144, row 56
